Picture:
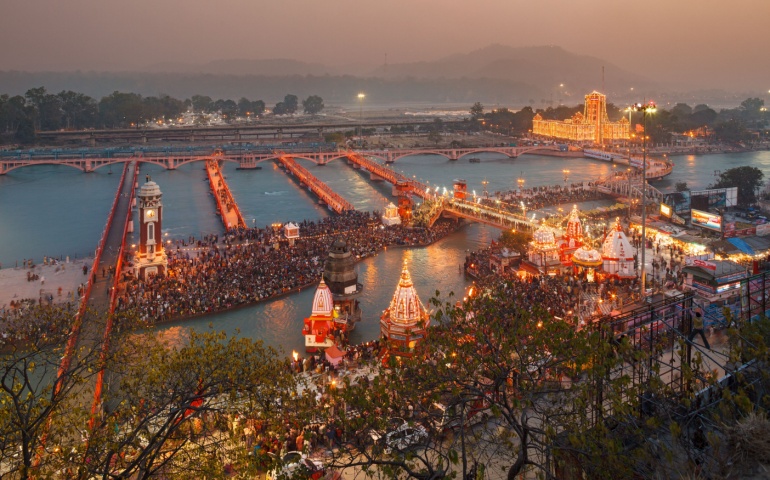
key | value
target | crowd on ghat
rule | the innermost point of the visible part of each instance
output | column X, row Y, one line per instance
column 546, row 196
column 249, row 265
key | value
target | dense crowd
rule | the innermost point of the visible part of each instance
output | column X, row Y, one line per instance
column 249, row 265
column 547, row 196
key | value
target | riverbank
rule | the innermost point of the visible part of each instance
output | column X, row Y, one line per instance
column 55, row 283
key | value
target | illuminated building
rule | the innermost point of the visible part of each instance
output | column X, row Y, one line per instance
column 406, row 320
column 593, row 125
column 151, row 257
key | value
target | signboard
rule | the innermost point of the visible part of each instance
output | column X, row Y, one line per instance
column 704, row 264
column 763, row 229
column 717, row 197
column 665, row 210
column 679, row 202
column 706, row 220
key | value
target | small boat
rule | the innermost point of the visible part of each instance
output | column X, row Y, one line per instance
column 474, row 160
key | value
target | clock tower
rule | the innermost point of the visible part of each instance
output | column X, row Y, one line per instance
column 151, row 256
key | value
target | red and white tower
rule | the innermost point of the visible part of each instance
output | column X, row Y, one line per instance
column 151, row 256
column 405, row 322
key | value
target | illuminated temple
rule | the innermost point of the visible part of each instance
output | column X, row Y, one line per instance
column 592, row 126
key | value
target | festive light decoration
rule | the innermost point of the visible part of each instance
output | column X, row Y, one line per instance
column 591, row 126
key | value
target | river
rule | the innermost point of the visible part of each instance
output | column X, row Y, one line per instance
column 59, row 211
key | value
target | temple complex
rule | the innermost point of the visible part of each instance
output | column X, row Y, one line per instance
column 572, row 238
column 592, row 126
column 404, row 323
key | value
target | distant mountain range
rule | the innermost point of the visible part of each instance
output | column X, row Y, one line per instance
column 539, row 76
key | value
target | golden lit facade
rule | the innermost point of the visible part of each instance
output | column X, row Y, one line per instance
column 593, row 125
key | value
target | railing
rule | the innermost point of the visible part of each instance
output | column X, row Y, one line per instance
column 113, row 299
column 326, row 194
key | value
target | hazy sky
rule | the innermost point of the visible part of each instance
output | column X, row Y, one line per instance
column 665, row 37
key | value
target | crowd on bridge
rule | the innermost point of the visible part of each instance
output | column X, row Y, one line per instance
column 248, row 265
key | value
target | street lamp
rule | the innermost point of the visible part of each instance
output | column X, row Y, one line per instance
column 361, row 97
column 647, row 108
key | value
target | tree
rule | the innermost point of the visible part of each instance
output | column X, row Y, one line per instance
column 731, row 131
column 681, row 186
column 163, row 416
column 747, row 179
column 434, row 136
column 291, row 102
column 681, row 110
column 37, row 387
column 201, row 103
column 280, row 109
column 515, row 240
column 477, row 111
column 313, row 104
column 506, row 356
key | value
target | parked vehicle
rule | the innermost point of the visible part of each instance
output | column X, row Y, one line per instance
column 400, row 438
column 296, row 465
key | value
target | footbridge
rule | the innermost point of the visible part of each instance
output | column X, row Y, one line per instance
column 228, row 208
column 485, row 214
column 377, row 171
column 325, row 194
column 391, row 155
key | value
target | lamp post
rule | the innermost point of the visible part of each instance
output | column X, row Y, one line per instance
column 361, row 97
column 647, row 108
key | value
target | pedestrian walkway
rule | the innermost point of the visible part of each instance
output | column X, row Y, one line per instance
column 228, row 209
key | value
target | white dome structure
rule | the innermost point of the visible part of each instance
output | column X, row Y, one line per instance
column 544, row 235
column 617, row 253
column 587, row 257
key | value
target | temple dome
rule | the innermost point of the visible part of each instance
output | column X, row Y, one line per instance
column 544, row 235
column 587, row 257
column 322, row 300
column 405, row 307
column 574, row 225
column 616, row 245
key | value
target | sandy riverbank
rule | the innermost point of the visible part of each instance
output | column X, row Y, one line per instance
column 60, row 281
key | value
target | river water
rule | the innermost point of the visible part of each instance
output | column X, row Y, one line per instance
column 59, row 211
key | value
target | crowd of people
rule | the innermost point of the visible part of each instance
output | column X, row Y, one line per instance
column 248, row 265
column 547, row 196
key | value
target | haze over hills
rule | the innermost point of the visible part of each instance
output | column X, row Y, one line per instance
column 539, row 76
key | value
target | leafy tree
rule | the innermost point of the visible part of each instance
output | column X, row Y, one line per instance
column 748, row 180
column 681, row 110
column 280, row 109
column 25, row 130
column 79, row 110
column 681, row 186
column 731, row 131
column 201, row 103
column 477, row 111
column 163, row 415
column 534, row 375
column 121, row 109
column 434, row 136
column 291, row 102
column 37, row 388
column 313, row 104
column 12, row 111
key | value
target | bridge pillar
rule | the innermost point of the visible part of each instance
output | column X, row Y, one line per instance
column 375, row 178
